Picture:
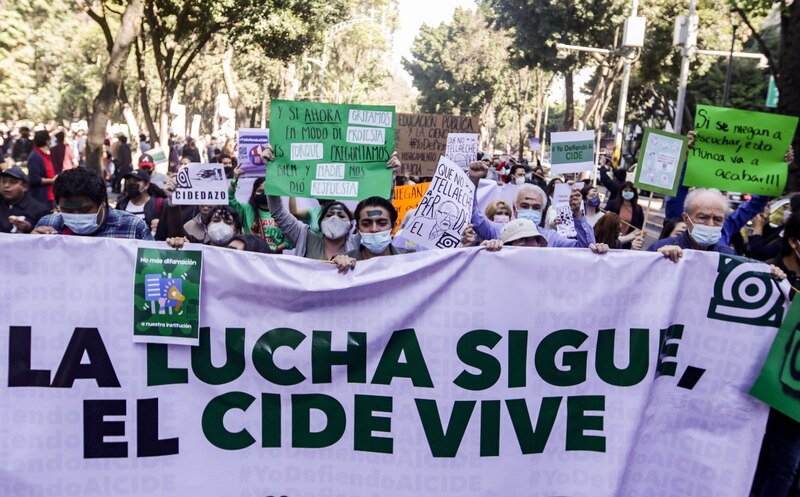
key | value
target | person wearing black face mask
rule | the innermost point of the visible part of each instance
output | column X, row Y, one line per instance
column 137, row 200
column 256, row 216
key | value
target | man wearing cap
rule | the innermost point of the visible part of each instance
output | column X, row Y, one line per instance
column 137, row 200
column 147, row 164
column 523, row 233
column 83, row 210
column 19, row 211
column 530, row 204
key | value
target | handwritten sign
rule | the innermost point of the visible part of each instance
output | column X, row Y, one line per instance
column 444, row 211
column 572, row 151
column 462, row 148
column 564, row 222
column 201, row 184
column 330, row 151
column 422, row 138
column 407, row 198
column 660, row 160
column 251, row 144
column 740, row 151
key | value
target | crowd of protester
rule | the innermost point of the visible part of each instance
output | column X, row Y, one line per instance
column 47, row 189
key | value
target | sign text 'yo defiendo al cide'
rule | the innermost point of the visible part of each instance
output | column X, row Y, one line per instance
column 739, row 151
column 330, row 151
column 401, row 360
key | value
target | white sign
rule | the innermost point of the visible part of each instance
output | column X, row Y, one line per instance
column 563, row 220
column 444, row 211
column 572, row 151
column 462, row 148
column 410, row 375
column 250, row 147
column 201, row 184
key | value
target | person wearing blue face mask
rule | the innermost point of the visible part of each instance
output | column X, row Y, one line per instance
column 626, row 205
column 591, row 205
column 530, row 204
column 83, row 210
column 375, row 219
column 704, row 214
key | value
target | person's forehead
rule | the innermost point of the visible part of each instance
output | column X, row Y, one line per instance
column 76, row 202
column 709, row 203
column 374, row 212
column 528, row 197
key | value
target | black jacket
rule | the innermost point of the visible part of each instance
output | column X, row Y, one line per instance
column 32, row 209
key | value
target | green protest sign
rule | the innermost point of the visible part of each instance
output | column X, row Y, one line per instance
column 166, row 299
column 779, row 382
column 739, row 151
column 330, row 151
column 660, row 160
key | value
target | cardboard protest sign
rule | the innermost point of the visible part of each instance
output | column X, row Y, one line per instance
column 330, row 151
column 444, row 211
column 201, row 184
column 462, row 148
column 422, row 138
column 251, row 144
column 408, row 197
column 660, row 160
column 739, row 151
column 572, row 151
column 779, row 382
column 564, row 222
column 166, row 297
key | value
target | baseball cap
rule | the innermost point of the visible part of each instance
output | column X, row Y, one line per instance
column 15, row 172
column 139, row 174
column 519, row 228
column 146, row 160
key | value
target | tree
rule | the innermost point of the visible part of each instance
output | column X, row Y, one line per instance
column 112, row 79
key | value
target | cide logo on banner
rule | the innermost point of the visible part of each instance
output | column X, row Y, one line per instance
column 744, row 292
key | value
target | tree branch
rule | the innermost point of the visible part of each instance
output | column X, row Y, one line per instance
column 103, row 23
column 759, row 40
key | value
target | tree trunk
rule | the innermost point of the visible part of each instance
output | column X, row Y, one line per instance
column 233, row 91
column 107, row 97
column 143, row 95
column 569, row 111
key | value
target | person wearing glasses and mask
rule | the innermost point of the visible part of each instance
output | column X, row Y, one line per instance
column 82, row 201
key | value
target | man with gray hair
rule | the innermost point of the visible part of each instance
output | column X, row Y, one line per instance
column 704, row 213
column 530, row 203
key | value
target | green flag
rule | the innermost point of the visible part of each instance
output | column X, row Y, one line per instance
column 330, row 150
column 739, row 151
column 779, row 382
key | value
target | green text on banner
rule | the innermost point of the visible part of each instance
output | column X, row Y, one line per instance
column 660, row 161
column 739, row 151
column 330, row 151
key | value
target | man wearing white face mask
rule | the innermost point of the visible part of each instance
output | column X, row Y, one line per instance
column 704, row 214
column 529, row 204
column 80, row 195
column 375, row 219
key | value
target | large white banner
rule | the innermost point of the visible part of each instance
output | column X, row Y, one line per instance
column 528, row 372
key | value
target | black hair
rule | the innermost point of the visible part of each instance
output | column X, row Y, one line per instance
column 258, row 182
column 327, row 206
column 620, row 174
column 377, row 202
column 254, row 243
column 40, row 138
column 510, row 174
column 791, row 230
column 551, row 186
column 60, row 136
column 669, row 226
column 622, row 188
column 586, row 189
column 80, row 181
column 123, row 138
column 230, row 211
column 794, row 202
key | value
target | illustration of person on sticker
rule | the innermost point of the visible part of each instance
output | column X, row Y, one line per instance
column 447, row 218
